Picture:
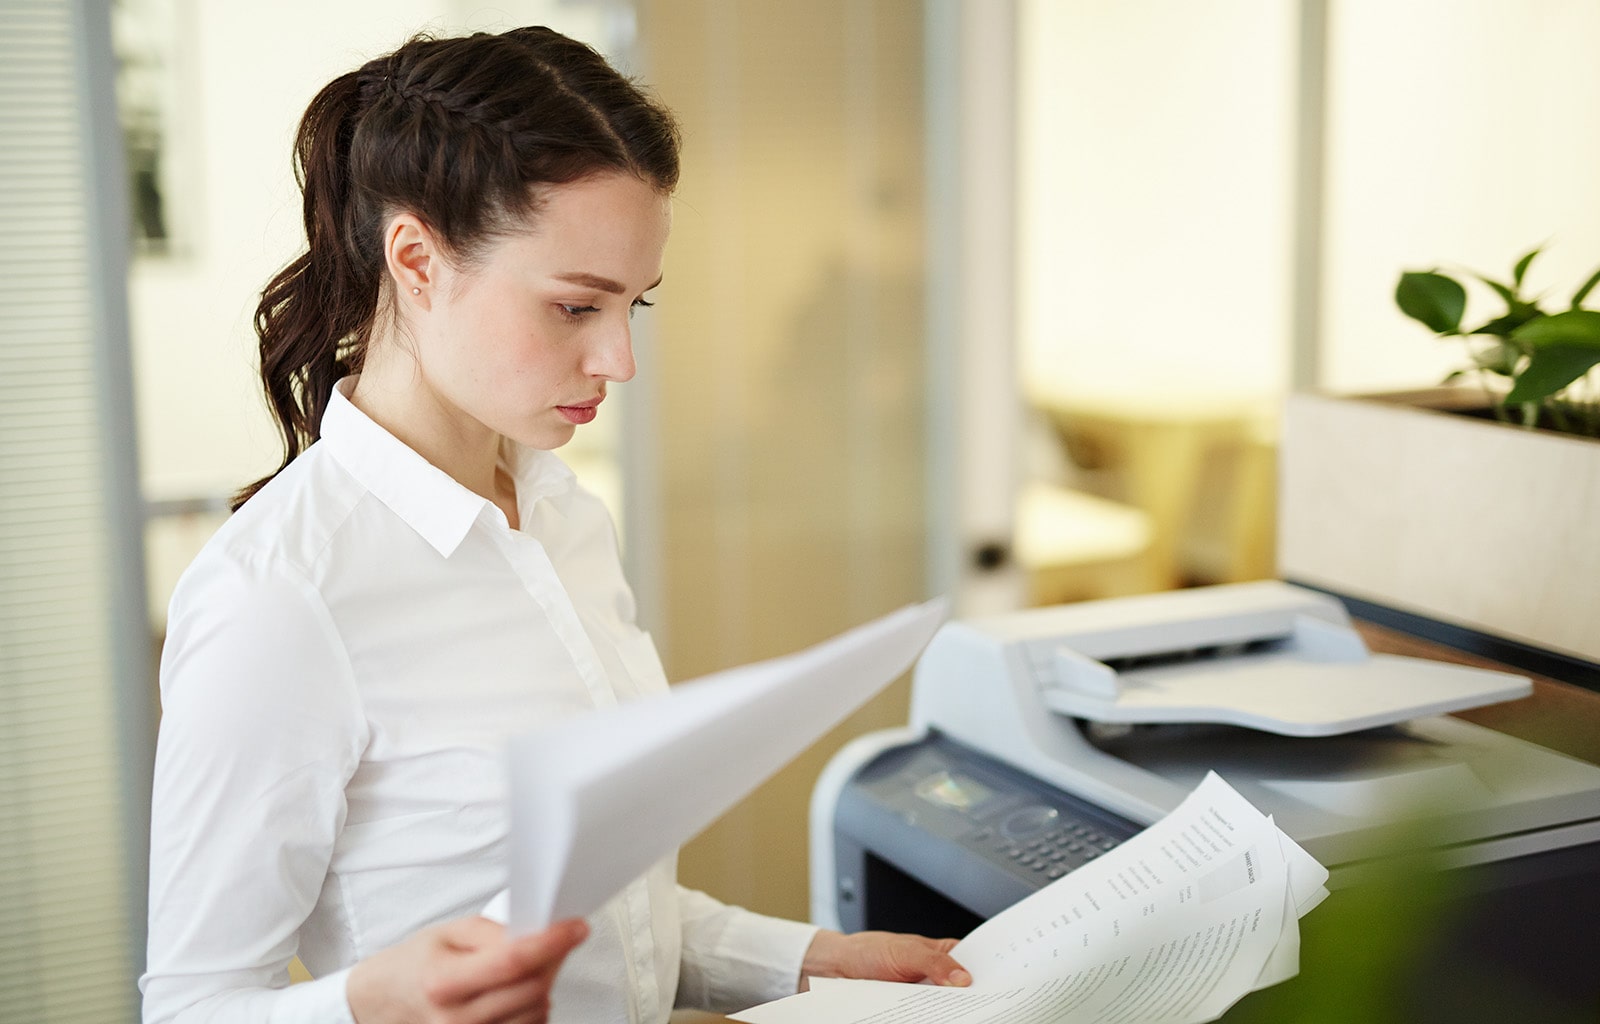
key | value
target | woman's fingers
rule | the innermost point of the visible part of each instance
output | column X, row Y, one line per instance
column 944, row 969
column 484, row 961
column 510, row 1004
column 547, row 949
column 463, row 972
column 882, row 956
column 916, row 957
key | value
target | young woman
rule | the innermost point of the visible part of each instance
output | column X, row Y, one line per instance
column 422, row 578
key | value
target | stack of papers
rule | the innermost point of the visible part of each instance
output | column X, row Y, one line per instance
column 1174, row 926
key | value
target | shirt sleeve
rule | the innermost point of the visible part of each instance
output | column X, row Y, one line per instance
column 261, row 729
column 733, row 958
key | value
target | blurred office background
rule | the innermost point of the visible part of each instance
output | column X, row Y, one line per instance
column 995, row 299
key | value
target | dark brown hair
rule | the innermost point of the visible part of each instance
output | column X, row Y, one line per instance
column 459, row 132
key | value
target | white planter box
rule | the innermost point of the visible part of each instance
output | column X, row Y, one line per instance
column 1460, row 519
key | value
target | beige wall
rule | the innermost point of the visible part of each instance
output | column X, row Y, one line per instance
column 790, row 392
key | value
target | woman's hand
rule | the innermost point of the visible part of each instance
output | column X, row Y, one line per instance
column 462, row 972
column 882, row 956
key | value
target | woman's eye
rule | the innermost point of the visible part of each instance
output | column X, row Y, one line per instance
column 572, row 312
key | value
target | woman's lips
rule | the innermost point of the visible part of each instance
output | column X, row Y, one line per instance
column 581, row 413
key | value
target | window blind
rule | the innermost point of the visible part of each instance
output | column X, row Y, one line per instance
column 66, row 946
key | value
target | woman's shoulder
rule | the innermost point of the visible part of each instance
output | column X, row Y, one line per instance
column 284, row 529
column 295, row 515
column 251, row 602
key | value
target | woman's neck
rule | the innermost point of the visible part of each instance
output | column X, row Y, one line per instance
column 392, row 392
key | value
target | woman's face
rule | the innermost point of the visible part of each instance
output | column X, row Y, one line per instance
column 524, row 342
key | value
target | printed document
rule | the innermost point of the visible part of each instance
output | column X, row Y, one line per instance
column 595, row 801
column 1175, row 925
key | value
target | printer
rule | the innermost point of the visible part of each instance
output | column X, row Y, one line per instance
column 1041, row 738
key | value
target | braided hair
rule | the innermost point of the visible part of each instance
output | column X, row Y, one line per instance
column 461, row 132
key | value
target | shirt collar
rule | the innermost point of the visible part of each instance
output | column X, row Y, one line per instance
column 426, row 498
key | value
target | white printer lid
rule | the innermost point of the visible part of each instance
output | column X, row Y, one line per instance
column 1272, row 658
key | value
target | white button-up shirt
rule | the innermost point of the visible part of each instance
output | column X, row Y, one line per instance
column 343, row 664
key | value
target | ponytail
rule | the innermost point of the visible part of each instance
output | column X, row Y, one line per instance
column 459, row 132
column 315, row 315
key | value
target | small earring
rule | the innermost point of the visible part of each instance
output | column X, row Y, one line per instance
column 416, row 291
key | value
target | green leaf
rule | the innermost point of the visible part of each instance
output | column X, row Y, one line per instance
column 1504, row 291
column 1572, row 327
column 1522, row 267
column 1588, row 286
column 1518, row 315
column 1550, row 370
column 1433, row 299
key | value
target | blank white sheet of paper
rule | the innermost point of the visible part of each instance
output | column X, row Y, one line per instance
column 597, row 799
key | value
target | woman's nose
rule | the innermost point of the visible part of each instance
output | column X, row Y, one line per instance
column 612, row 355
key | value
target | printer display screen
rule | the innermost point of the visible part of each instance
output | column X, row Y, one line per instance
column 957, row 792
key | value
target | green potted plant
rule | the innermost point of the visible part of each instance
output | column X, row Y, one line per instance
column 1535, row 365
column 1398, row 499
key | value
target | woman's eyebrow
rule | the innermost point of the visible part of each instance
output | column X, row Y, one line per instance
column 604, row 284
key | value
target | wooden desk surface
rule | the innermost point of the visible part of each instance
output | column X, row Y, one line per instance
column 1556, row 715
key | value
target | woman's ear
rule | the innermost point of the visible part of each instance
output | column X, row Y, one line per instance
column 411, row 254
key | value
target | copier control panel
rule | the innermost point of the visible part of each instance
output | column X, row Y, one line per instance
column 1012, row 833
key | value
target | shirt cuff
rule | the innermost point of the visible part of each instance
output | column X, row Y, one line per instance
column 322, row 1000
column 769, row 950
